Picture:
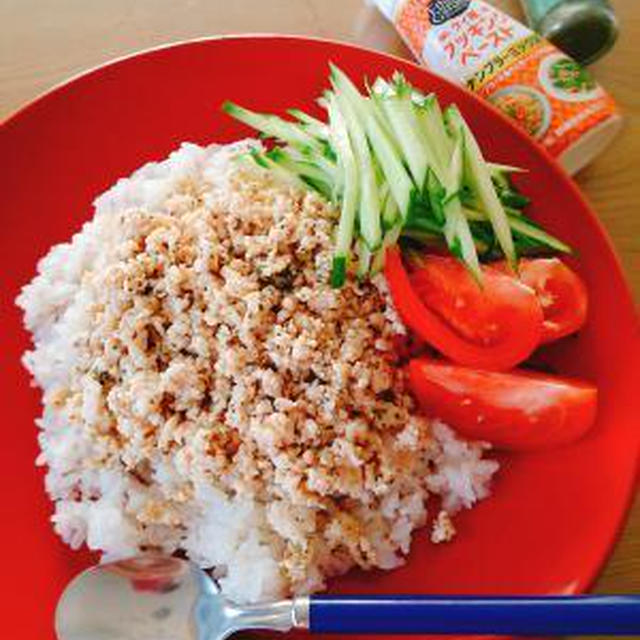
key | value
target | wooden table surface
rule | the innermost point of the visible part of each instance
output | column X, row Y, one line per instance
column 43, row 42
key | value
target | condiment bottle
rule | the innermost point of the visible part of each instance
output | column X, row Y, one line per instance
column 552, row 97
column 585, row 29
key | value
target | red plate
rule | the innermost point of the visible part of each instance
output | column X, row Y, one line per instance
column 553, row 517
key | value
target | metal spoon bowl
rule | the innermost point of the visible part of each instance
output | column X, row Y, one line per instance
column 161, row 598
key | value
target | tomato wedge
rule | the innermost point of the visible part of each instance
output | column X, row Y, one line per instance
column 493, row 327
column 561, row 293
column 519, row 410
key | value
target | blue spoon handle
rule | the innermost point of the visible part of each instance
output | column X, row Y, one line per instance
column 557, row 615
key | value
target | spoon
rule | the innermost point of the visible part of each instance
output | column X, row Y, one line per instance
column 164, row 598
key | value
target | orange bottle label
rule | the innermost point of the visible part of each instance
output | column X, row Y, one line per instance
column 470, row 42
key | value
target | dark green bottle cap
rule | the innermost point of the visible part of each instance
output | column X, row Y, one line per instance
column 584, row 29
column 584, row 32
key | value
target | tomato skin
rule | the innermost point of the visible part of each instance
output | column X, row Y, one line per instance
column 561, row 292
column 519, row 410
column 510, row 311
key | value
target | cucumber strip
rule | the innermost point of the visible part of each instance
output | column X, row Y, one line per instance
column 281, row 173
column 454, row 175
column 384, row 195
column 478, row 177
column 500, row 169
column 309, row 156
column 501, row 182
column 526, row 228
column 513, row 199
column 483, row 243
column 383, row 185
column 383, row 123
column 347, row 162
column 467, row 245
column 381, row 88
column 338, row 271
column 397, row 107
column 313, row 171
column 514, row 212
column 400, row 183
column 301, row 166
column 369, row 202
column 390, row 213
column 453, row 209
column 310, row 173
column 399, row 115
column 436, row 196
column 473, row 203
column 421, row 99
column 319, row 131
column 411, row 136
column 473, row 214
column 452, row 212
column 456, row 228
column 431, row 119
column 312, row 125
column 378, row 113
column 437, row 242
column 421, row 209
column 390, row 239
column 444, row 197
column 365, row 258
column 325, row 190
column 424, row 225
column 424, row 237
column 273, row 126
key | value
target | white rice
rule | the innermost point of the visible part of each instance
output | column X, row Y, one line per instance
column 205, row 390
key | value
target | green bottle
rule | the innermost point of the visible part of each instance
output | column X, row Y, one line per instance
column 584, row 29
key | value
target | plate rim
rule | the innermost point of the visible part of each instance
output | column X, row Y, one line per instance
column 585, row 582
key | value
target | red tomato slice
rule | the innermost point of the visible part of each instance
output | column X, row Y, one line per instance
column 519, row 410
column 561, row 293
column 493, row 327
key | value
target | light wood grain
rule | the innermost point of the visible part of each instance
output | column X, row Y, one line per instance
column 43, row 42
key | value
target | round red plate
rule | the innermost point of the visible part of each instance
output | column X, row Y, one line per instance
column 553, row 517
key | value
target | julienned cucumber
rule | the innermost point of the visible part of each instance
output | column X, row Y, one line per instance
column 396, row 165
column 369, row 202
column 339, row 137
column 312, row 125
column 400, row 184
column 268, row 163
column 456, row 228
column 527, row 229
column 398, row 109
column 273, row 127
column 477, row 177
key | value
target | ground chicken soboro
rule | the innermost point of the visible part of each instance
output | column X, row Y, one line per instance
column 205, row 388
